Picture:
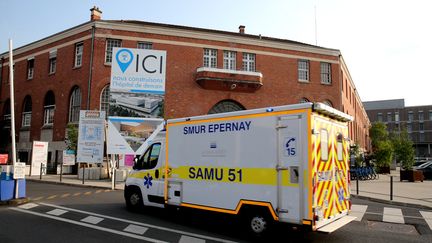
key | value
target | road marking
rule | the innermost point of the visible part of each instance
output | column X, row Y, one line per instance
column 57, row 212
column 52, row 197
column 77, row 194
column 427, row 216
column 99, row 191
column 141, row 224
column 87, row 193
column 188, row 239
column 37, row 198
column 136, row 229
column 393, row 215
column 65, row 195
column 89, row 225
column 358, row 211
column 28, row 205
column 92, row 219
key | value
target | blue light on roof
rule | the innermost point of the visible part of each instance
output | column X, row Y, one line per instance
column 269, row 109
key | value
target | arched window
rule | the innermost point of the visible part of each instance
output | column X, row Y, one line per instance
column 304, row 100
column 74, row 104
column 104, row 100
column 328, row 102
column 49, row 107
column 27, row 112
column 226, row 106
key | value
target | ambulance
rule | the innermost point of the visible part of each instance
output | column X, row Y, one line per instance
column 282, row 164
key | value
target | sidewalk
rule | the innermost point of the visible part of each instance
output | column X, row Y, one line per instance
column 73, row 180
column 404, row 193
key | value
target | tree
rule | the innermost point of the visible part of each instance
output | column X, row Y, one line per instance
column 404, row 150
column 382, row 147
column 71, row 137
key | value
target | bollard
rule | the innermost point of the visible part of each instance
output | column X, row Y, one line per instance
column 83, row 174
column 40, row 175
column 357, row 184
column 391, row 188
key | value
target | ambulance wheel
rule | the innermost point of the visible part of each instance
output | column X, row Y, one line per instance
column 257, row 222
column 134, row 200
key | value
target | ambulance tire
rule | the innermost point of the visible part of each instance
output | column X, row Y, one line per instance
column 134, row 200
column 257, row 220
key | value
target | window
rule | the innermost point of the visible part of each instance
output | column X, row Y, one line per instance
column 430, row 115
column 420, row 116
column 30, row 68
column 409, row 127
column 304, row 100
column 421, row 137
column 396, row 116
column 210, row 58
column 52, row 61
column 410, row 116
column 145, row 45
column 389, row 116
column 49, row 107
column 27, row 112
column 303, row 70
column 150, row 158
column 421, row 126
column 79, row 49
column 380, row 117
column 229, row 61
column 75, row 105
column 325, row 73
column 324, row 145
column 110, row 44
column 328, row 102
column 339, row 147
column 104, row 100
column 248, row 62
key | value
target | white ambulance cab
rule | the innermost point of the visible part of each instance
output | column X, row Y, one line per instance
column 286, row 164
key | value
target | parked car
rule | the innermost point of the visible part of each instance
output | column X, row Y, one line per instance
column 426, row 168
column 419, row 162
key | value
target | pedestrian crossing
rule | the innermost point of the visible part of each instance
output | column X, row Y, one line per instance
column 110, row 224
column 391, row 214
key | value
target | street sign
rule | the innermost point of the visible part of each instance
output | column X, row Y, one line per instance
column 19, row 170
column 39, row 156
column 91, row 136
column 68, row 157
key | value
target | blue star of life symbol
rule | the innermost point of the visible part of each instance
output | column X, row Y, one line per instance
column 147, row 181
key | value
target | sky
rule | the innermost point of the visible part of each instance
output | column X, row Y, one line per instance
column 386, row 44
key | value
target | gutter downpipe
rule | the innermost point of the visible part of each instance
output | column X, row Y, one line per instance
column 91, row 67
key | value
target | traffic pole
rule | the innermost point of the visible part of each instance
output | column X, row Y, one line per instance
column 391, row 188
column 12, row 108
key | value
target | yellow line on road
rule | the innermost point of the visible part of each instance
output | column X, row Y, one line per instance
column 37, row 198
column 87, row 193
column 99, row 191
column 77, row 194
column 65, row 195
column 52, row 197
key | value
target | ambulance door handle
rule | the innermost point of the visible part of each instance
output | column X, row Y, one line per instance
column 157, row 174
column 279, row 168
column 294, row 174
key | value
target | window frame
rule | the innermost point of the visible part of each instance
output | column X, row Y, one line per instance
column 104, row 100
column 49, row 114
column 145, row 162
column 30, row 68
column 74, row 105
column 300, row 70
column 248, row 62
column 79, row 51
column 210, row 58
column 109, row 45
column 229, row 60
column 326, row 73
column 145, row 45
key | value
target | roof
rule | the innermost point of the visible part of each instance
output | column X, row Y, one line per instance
column 384, row 104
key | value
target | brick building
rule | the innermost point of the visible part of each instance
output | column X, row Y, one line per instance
column 208, row 71
column 416, row 119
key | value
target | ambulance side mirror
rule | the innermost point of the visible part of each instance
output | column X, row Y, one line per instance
column 135, row 164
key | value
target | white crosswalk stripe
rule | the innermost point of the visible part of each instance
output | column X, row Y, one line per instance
column 28, row 205
column 188, row 239
column 92, row 219
column 393, row 215
column 136, row 229
column 427, row 216
column 358, row 211
column 57, row 212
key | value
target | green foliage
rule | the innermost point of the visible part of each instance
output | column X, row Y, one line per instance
column 71, row 137
column 382, row 147
column 404, row 150
column 355, row 150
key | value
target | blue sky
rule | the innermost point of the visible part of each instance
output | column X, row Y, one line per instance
column 385, row 43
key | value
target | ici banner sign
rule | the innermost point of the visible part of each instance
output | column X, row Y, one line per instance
column 138, row 70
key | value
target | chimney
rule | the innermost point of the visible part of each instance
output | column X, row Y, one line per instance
column 96, row 14
column 242, row 29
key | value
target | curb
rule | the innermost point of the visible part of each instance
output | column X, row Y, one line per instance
column 15, row 202
column 392, row 202
column 71, row 184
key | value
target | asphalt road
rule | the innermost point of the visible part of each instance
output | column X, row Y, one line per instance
column 60, row 213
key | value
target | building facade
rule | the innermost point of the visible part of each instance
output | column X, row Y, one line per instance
column 208, row 71
column 417, row 120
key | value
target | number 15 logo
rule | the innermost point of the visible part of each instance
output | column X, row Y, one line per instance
column 290, row 146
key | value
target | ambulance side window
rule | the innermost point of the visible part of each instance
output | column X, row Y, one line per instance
column 339, row 147
column 324, row 145
column 150, row 158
